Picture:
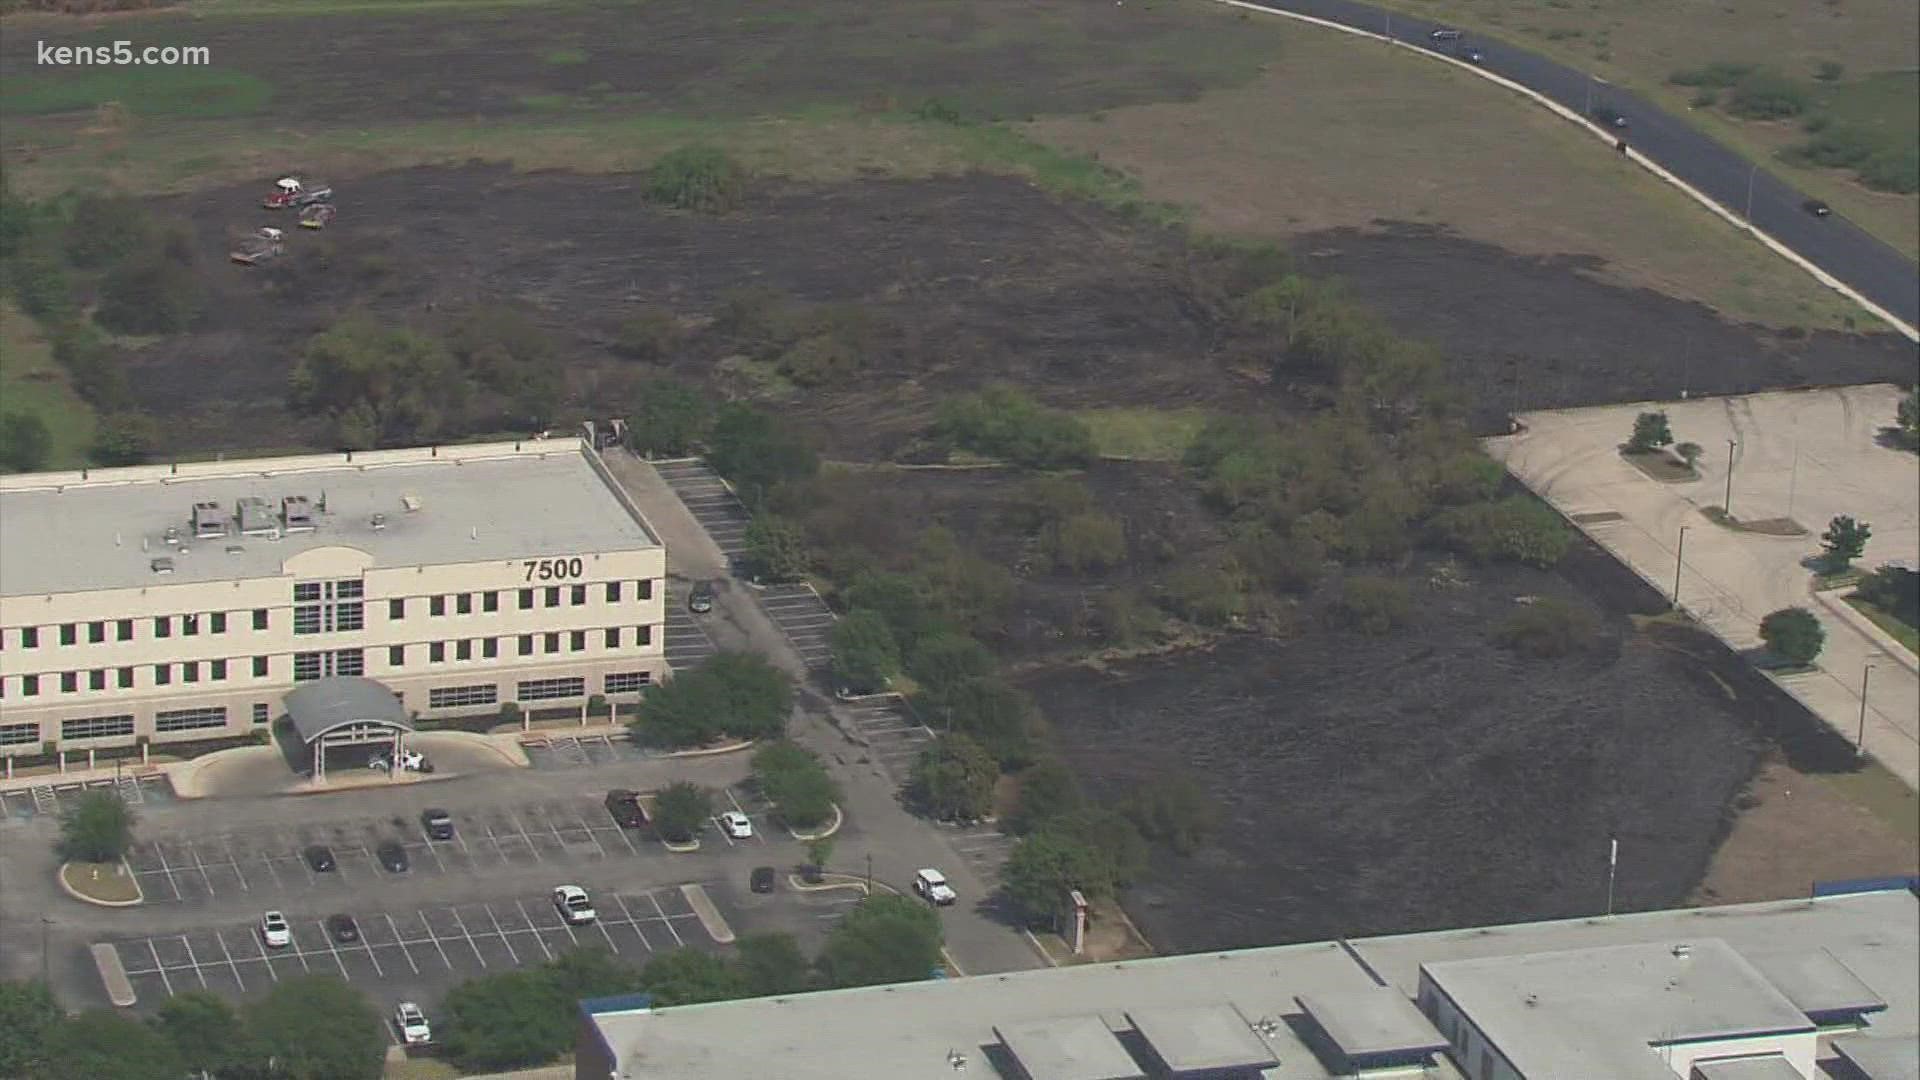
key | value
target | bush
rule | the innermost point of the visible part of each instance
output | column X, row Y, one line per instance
column 97, row 828
column 1829, row 71
column 1721, row 75
column 757, row 451
column 1517, row 528
column 954, row 779
column 124, row 439
column 1206, row 595
column 94, row 366
column 148, row 296
column 1004, row 422
column 1085, row 541
column 667, row 418
column 1372, row 605
column 1126, row 619
column 1650, row 432
column 25, row 443
column 735, row 694
column 1906, row 420
column 1767, row 95
column 39, row 279
column 884, row 939
column 1288, row 563
column 1547, row 627
column 681, row 810
column 757, row 321
column 1894, row 590
column 796, row 783
column 1174, row 810
column 1045, row 500
column 700, row 178
column 1793, row 634
column 865, row 655
column 651, row 335
column 1048, row 791
column 902, row 601
column 943, row 661
column 776, row 549
column 1880, row 165
column 994, row 714
column 105, row 229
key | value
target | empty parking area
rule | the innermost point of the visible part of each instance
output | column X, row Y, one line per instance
column 985, row 848
column 711, row 503
column 575, row 752
column 894, row 737
column 409, row 954
column 804, row 618
column 52, row 797
column 688, row 645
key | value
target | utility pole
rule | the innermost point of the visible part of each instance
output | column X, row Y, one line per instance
column 1860, row 740
column 1613, row 865
column 1677, row 556
column 869, row 873
column 46, row 978
column 1727, row 504
column 1751, row 173
column 1793, row 479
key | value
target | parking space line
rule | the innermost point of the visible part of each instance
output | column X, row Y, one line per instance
column 757, row 833
column 235, row 863
column 327, row 935
column 677, row 940
column 434, row 936
column 471, row 944
column 194, row 850
column 723, row 829
column 431, row 850
column 532, row 929
column 602, row 927
column 197, row 973
column 172, row 886
column 159, row 967
column 568, row 927
column 589, row 829
column 375, row 960
column 631, row 921
column 222, row 939
column 502, row 933
column 537, row 857
column 260, row 947
column 625, row 839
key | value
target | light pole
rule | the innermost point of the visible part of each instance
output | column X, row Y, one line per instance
column 1613, row 865
column 1860, row 740
column 869, row 873
column 1727, row 504
column 46, row 978
column 1751, row 173
column 1677, row 555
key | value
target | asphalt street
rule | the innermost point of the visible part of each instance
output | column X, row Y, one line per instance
column 1834, row 244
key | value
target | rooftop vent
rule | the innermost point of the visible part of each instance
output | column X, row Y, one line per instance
column 207, row 521
column 255, row 516
column 235, row 549
column 171, row 537
column 297, row 512
column 378, row 522
column 162, row 566
column 1682, row 951
column 411, row 502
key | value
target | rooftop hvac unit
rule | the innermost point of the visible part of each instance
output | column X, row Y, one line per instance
column 296, row 511
column 162, row 566
column 255, row 516
column 378, row 522
column 207, row 520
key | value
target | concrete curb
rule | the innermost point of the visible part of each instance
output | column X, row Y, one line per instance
column 712, row 751
column 710, row 917
column 839, row 819
column 1636, row 156
column 60, row 875
column 1834, row 600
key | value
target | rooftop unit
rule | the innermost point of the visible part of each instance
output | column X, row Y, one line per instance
column 208, row 522
column 255, row 517
column 1067, row 1048
column 296, row 511
column 1201, row 1041
column 1363, row 1031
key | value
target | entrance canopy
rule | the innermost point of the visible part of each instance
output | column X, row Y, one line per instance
column 346, row 710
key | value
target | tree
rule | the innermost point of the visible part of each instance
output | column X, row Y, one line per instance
column 27, row 1010
column 1090, row 541
column 1048, row 791
column 1547, row 627
column 208, row 1034
column 757, row 451
column 511, row 1020
column 1894, row 590
column 996, row 715
column 588, row 973
column 667, row 418
column 901, row 600
column 651, row 335
column 1372, row 605
column 796, row 783
column 683, row 711
column 25, row 442
column 943, row 661
column 1517, row 528
column 776, row 548
column 103, row 1045
column 755, row 696
column 954, row 779
column 772, row 963
column 1844, row 540
column 150, row 295
column 1650, row 432
column 865, row 656
column 1005, row 422
column 1793, row 634
column 691, row 977
column 124, row 438
column 97, row 828
column 1046, row 864
column 105, row 229
column 681, row 810
column 884, row 939
column 381, row 384
column 1174, row 810
column 1907, row 419
column 1690, row 453
column 319, row 1028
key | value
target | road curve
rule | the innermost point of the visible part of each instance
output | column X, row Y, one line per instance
column 1835, row 245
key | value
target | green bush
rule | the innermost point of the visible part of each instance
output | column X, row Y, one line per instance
column 98, row 827
column 1880, row 165
column 1004, row 422
column 1207, row 595
column 701, row 178
column 993, row 713
column 934, row 110
column 796, row 783
column 1829, row 71
column 940, row 662
column 739, row 695
column 94, row 366
column 1768, row 95
column 105, row 229
column 954, row 779
column 757, row 450
column 1044, row 500
column 1894, row 590
column 124, row 439
column 776, row 549
column 1173, row 810
column 1517, row 528
column 1372, row 605
column 865, row 656
column 1048, row 791
column 902, row 600
column 1087, row 541
column 25, row 443
column 681, row 810
column 1127, row 619
column 1720, row 75
column 667, row 418
column 651, row 335
column 1650, row 432
column 149, row 296
column 1545, row 628
column 39, row 279
column 1793, row 634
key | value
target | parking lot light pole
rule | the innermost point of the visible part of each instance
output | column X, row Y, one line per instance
column 869, row 873
column 1751, row 173
column 46, row 978
column 1726, row 505
column 1677, row 555
column 1860, row 740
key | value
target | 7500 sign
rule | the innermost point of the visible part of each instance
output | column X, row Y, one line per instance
column 555, row 569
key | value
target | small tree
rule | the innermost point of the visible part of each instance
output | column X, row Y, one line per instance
column 98, row 828
column 681, row 809
column 884, row 939
column 1174, row 810
column 796, row 783
column 103, row 1045
column 667, row 417
column 1048, row 791
column 1907, row 420
column 1794, row 635
column 773, row 964
column 1844, row 540
column 1547, row 627
column 1048, row 863
column 699, row 178
column 1372, row 605
column 650, row 335
column 1650, row 432
column 510, row 1020
column 955, row 778
column 690, row 977
column 776, row 549
column 27, row 1011
column 1690, row 453
column 943, row 661
column 316, row 1027
column 25, row 442
column 820, row 851
column 864, row 653
column 125, row 438
column 1089, row 541
column 208, row 1034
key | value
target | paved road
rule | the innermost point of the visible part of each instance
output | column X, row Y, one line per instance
column 1837, row 246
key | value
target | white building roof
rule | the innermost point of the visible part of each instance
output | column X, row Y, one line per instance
column 103, row 529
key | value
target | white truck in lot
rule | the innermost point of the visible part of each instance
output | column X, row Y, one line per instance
column 933, row 888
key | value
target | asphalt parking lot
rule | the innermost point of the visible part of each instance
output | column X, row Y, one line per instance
column 711, row 503
column 804, row 618
column 985, row 849
column 569, row 752
column 688, row 645
column 51, row 798
column 895, row 737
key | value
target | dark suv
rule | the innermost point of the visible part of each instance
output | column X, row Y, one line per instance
column 700, row 599
column 625, row 807
column 438, row 823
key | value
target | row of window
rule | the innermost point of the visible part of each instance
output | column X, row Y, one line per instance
column 213, row 622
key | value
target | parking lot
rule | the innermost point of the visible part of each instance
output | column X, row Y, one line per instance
column 569, row 752
column 688, row 645
column 804, row 618
column 711, row 503
column 51, row 798
column 895, row 737
column 985, row 848
column 263, row 863
column 410, row 954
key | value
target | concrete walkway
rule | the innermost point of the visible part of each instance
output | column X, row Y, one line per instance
column 1804, row 455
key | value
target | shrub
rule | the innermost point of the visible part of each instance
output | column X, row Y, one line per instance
column 1516, row 528
column 1087, row 541
column 1690, row 453
column 1048, row 791
column 25, row 443
column 1650, row 432
column 105, row 229
column 1004, row 422
column 1906, row 420
column 941, row 662
column 1207, row 595
column 1894, row 590
column 796, row 783
column 757, row 321
column 1126, row 619
column 1372, row 605
column 902, row 601
column 1288, row 563
column 1844, row 541
column 124, row 439
column 667, row 418
column 1174, row 810
column 681, row 810
column 996, row 715
column 776, row 549
column 148, row 296
column 1547, row 627
column 1767, row 95
column 39, row 279
column 701, row 178
column 94, row 366
column 735, row 694
column 954, row 779
column 757, row 450
column 1793, row 634
column 865, row 656
column 1829, row 71
column 1044, row 500
column 1720, row 75
column 934, row 110
column 97, row 828
column 651, row 335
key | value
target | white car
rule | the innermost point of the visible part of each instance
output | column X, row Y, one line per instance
column 573, row 905
column 275, row 931
column 412, row 760
column 412, row 1023
column 933, row 888
column 737, row 825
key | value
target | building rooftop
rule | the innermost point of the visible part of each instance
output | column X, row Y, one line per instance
column 1069, row 1048
column 320, row 706
column 225, row 520
column 1194, row 1038
column 1372, row 1023
column 1880, row 1058
column 1757, row 1067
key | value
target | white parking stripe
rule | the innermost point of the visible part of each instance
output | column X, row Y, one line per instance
column 375, row 960
column 439, row 864
column 222, row 939
column 502, row 934
column 261, row 948
column 193, row 963
column 172, row 886
column 596, row 840
column 663, row 918
column 625, row 839
column 537, row 857
column 631, row 921
column 341, row 964
column 434, row 936
column 159, row 967
column 602, row 927
column 235, row 863
column 472, row 944
column 537, row 935
column 402, row 942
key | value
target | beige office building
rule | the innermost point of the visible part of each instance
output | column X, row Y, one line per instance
column 181, row 602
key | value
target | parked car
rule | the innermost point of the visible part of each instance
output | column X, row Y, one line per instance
column 393, row 856
column 343, row 929
column 762, row 879
column 573, row 904
column 737, row 825
column 1445, row 33
column 275, row 930
column 625, row 808
column 933, row 888
column 1816, row 208
column 412, row 1023
column 319, row 857
column 438, row 823
column 700, row 598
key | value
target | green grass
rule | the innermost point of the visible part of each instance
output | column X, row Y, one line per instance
column 553, row 103
column 32, row 382
column 1063, row 172
column 564, row 57
column 1905, row 633
column 1882, row 794
column 1143, row 434
column 201, row 92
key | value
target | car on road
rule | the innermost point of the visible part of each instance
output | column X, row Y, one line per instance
column 412, row 1024
column 1444, row 33
column 1473, row 55
column 1610, row 116
column 393, row 856
column 275, row 930
column 700, row 598
column 343, row 929
column 1816, row 208
column 573, row 904
column 319, row 857
column 624, row 806
column 737, row 825
column 762, row 879
column 438, row 823
column 932, row 886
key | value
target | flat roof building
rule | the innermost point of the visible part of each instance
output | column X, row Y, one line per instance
column 179, row 602
column 1794, row 989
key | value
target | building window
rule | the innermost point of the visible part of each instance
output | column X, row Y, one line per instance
column 436, row 652
column 550, row 644
column 579, row 595
column 217, row 622
column 643, row 635
column 613, row 637
column 348, row 662
column 643, row 589
column 123, row 629
column 349, row 616
column 259, row 618
column 262, row 712
column 526, row 644
column 19, row 734
column 217, row 670
column 437, row 606
column 306, row 619
column 306, row 666
column 97, row 679
column 549, row 689
column 190, row 671
column 29, row 637
column 552, row 598
column 613, row 592
column 29, row 685
column 463, row 603
column 162, row 675
column 396, row 656
column 490, row 601
column 460, row 697
column 259, row 667
column 626, row 682
column 189, row 625
column 396, row 610
column 125, row 678
column 67, row 633
column 577, row 641
column 69, row 681
column 337, row 608
column 490, row 648
column 463, row 649
column 96, row 727
column 96, row 632
column 306, row 592
column 190, row 719
column 526, row 599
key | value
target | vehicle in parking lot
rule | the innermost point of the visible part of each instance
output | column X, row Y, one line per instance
column 625, row 808
column 319, row 857
column 932, row 886
column 275, row 931
column 737, row 825
column 438, row 823
column 762, row 879
column 1816, row 208
column 343, row 929
column 393, row 856
column 414, row 1029
column 573, row 904
column 700, row 599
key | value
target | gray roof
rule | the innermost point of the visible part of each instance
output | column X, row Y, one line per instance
column 1197, row 1037
column 1069, row 1048
column 1757, row 1067
column 1372, row 1022
column 1879, row 1057
column 324, row 704
column 1815, row 981
column 475, row 503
